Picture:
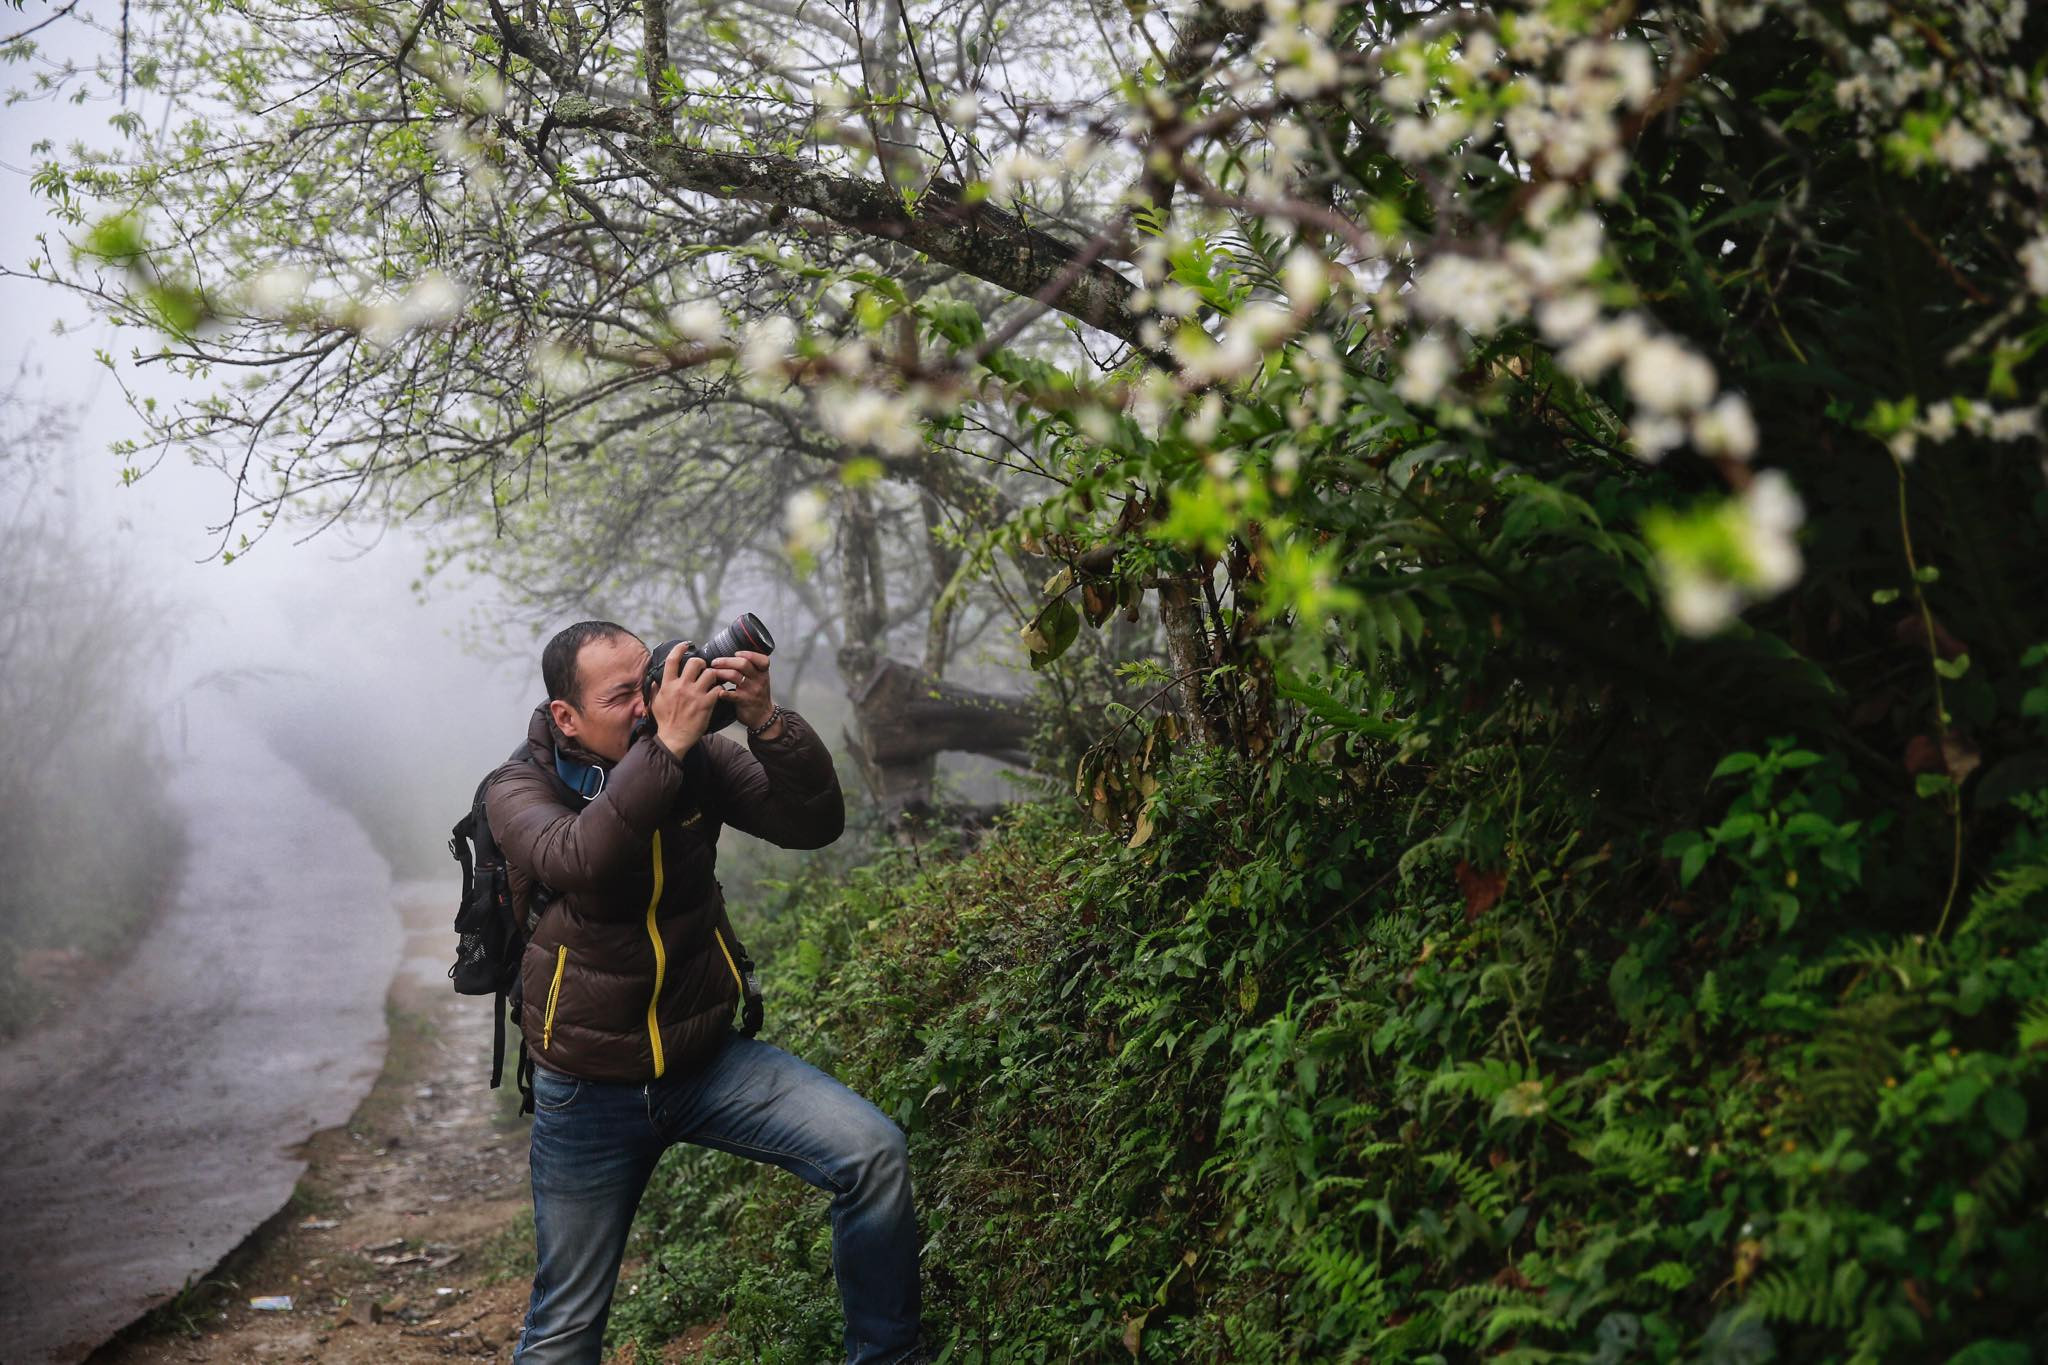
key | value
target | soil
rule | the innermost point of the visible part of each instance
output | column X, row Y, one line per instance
column 409, row 1238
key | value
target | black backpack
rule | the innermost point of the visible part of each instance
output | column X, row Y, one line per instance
column 490, row 933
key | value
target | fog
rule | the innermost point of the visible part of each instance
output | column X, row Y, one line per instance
column 319, row 637
column 196, row 940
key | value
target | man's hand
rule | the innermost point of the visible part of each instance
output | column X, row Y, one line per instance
column 748, row 674
column 682, row 705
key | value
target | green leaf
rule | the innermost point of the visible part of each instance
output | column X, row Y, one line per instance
column 1049, row 636
column 117, row 239
column 1734, row 763
column 2005, row 1109
column 1993, row 1353
column 1694, row 861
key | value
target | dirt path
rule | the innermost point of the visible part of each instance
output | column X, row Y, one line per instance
column 148, row 1127
column 409, row 1238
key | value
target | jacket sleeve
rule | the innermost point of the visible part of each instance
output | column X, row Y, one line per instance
column 784, row 790
column 575, row 850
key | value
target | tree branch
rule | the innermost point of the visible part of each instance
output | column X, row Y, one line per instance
column 977, row 239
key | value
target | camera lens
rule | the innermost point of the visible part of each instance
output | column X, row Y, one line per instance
column 745, row 632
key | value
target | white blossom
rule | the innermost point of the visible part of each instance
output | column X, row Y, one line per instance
column 1418, row 137
column 554, row 366
column 1726, row 429
column 2034, row 260
column 1565, row 255
column 1699, row 605
column 1305, row 277
column 803, row 520
column 1602, row 347
column 1655, row 436
column 1289, row 143
column 1665, row 377
column 1404, row 84
column 2014, row 424
column 963, row 109
column 1477, row 293
column 870, row 417
column 1201, row 428
column 698, row 320
column 433, row 299
column 1246, row 341
column 1178, row 300
column 1956, row 147
column 1939, row 424
column 1303, row 63
column 767, row 345
column 1771, row 514
column 1018, row 168
column 1566, row 317
column 430, row 301
column 279, row 290
column 1426, row 367
column 455, row 145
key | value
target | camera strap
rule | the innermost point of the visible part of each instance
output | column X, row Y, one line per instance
column 585, row 779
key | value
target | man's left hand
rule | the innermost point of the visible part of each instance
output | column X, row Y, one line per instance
column 747, row 672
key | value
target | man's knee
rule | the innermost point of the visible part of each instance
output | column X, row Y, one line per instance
column 879, row 1154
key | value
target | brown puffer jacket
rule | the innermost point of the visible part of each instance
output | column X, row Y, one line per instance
column 631, row 973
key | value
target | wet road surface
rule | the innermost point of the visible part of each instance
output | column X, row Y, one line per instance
column 150, row 1129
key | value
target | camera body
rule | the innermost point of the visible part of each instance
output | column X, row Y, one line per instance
column 745, row 631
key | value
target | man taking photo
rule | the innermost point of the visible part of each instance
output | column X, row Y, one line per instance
column 631, row 979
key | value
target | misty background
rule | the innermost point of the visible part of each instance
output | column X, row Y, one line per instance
column 391, row 691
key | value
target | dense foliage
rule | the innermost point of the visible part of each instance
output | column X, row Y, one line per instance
column 1291, row 1082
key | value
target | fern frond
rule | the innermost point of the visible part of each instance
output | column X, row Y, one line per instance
column 1637, row 1154
column 1520, row 1317
column 1346, row 1278
column 1811, row 1300
column 2003, row 1183
column 1477, row 1186
column 1484, row 1080
column 2004, row 896
column 1707, row 1001
column 1913, row 962
column 1669, row 1276
column 2034, row 1024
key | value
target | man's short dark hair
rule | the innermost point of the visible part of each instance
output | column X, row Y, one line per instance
column 558, row 660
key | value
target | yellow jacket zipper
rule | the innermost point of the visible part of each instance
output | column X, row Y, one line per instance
column 660, row 963
column 547, row 1027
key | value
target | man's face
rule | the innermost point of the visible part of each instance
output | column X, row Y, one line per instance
column 608, row 673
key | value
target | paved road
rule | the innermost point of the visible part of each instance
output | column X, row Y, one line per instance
column 152, row 1128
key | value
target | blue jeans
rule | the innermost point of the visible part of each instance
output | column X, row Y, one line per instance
column 595, row 1145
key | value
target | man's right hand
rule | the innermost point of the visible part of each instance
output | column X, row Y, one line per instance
column 682, row 705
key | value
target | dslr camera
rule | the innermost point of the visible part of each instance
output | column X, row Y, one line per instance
column 744, row 632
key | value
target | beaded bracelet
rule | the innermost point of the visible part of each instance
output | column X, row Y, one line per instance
column 756, row 731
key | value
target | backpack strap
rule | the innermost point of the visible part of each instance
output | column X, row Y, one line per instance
column 458, row 844
column 498, row 1043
